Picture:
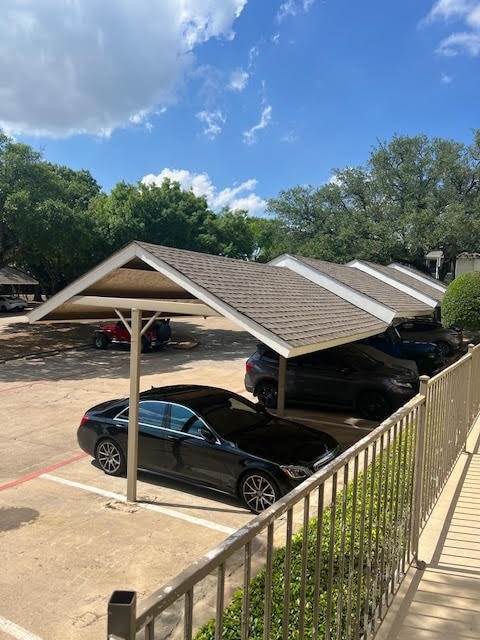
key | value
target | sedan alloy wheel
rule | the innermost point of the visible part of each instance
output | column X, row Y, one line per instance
column 110, row 458
column 258, row 491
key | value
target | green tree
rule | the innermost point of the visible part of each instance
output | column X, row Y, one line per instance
column 43, row 215
column 229, row 234
column 58, row 247
column 163, row 215
column 24, row 182
column 413, row 195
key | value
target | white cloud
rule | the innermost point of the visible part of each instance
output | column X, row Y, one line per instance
column 457, row 42
column 293, row 8
column 448, row 9
column 290, row 137
column 275, row 38
column 253, row 53
column 250, row 136
column 213, row 121
column 88, row 66
column 238, row 80
column 446, row 79
column 463, row 11
column 240, row 196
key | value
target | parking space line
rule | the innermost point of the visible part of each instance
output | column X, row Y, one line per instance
column 327, row 423
column 39, row 473
column 15, row 631
column 144, row 505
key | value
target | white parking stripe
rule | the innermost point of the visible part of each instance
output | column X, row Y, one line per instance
column 329, row 423
column 15, row 631
column 144, row 505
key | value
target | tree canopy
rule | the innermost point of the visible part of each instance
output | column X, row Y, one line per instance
column 414, row 194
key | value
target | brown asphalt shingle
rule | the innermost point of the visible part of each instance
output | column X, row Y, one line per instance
column 283, row 302
column 410, row 281
column 368, row 285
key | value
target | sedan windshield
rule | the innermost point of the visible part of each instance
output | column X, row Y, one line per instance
column 233, row 415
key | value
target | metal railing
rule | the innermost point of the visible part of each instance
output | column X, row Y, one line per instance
column 325, row 560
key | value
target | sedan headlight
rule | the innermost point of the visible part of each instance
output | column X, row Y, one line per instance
column 403, row 384
column 296, row 472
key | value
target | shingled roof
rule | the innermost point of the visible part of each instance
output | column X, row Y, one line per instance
column 15, row 277
column 399, row 302
column 283, row 309
column 408, row 283
column 417, row 275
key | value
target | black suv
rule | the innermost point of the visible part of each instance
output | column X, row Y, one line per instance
column 347, row 377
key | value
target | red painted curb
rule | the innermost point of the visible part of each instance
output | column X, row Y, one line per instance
column 32, row 476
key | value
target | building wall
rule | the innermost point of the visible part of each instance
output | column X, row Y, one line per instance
column 463, row 265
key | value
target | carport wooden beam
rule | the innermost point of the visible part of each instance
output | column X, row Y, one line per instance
column 145, row 304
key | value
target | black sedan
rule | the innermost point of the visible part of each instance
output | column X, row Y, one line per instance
column 211, row 437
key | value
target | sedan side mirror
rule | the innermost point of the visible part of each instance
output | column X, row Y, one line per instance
column 260, row 407
column 207, row 435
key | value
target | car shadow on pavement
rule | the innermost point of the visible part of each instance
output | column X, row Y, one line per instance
column 232, row 505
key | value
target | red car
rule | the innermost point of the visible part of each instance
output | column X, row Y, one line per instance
column 157, row 335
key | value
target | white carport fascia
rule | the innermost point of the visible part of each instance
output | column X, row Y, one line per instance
column 115, row 261
column 358, row 264
column 417, row 276
column 342, row 290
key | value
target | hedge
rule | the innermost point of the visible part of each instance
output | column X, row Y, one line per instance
column 461, row 303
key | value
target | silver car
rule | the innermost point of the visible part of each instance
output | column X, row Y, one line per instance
column 12, row 303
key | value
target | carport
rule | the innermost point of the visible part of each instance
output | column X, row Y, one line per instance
column 380, row 297
column 14, row 278
column 405, row 279
column 283, row 309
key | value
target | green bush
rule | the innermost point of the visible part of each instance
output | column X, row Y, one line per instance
column 461, row 304
column 359, row 567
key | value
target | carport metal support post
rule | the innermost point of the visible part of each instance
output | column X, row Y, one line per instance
column 132, row 459
column 282, row 376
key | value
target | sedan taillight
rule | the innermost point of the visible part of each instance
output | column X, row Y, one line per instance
column 84, row 420
column 249, row 366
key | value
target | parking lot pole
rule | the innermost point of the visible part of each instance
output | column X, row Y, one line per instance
column 132, row 459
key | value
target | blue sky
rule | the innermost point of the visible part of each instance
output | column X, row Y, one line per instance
column 236, row 99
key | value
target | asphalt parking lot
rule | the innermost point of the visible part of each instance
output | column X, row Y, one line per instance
column 67, row 536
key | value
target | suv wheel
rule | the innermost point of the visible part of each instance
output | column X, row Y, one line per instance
column 267, row 393
column 443, row 349
column 373, row 405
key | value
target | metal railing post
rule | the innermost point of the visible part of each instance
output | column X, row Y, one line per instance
column 122, row 612
column 419, row 471
column 469, row 394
